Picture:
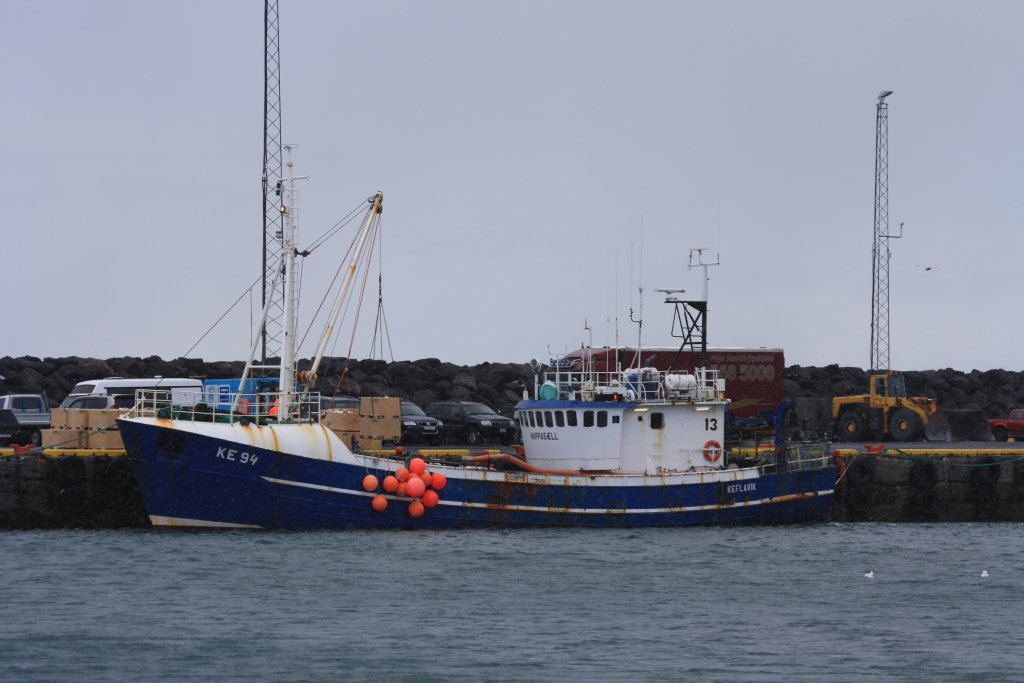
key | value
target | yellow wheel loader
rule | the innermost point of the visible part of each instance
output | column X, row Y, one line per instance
column 887, row 412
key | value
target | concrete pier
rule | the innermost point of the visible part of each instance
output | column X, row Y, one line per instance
column 926, row 483
column 67, row 491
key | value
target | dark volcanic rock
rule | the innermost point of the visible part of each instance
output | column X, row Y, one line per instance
column 424, row 397
column 499, row 385
column 993, row 391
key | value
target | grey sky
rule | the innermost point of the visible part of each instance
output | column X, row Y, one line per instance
column 519, row 146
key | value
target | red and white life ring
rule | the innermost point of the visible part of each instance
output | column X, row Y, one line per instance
column 712, row 451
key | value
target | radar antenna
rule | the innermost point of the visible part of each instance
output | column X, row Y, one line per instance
column 690, row 318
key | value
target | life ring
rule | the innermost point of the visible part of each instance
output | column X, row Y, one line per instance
column 712, row 451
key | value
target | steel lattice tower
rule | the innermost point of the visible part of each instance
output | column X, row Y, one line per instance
column 273, row 221
column 880, row 245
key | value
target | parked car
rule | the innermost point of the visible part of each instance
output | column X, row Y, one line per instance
column 473, row 423
column 418, row 427
column 336, row 403
column 32, row 411
column 339, row 402
column 1012, row 426
column 10, row 430
column 179, row 390
column 103, row 402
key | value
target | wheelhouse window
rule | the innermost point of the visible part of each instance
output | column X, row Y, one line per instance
column 615, row 419
column 570, row 416
column 588, row 418
column 547, row 419
column 559, row 418
column 540, row 419
column 602, row 418
column 657, row 420
column 532, row 422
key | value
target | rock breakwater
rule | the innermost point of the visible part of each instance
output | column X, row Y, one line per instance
column 498, row 385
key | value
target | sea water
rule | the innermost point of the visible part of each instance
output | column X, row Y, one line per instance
column 788, row 603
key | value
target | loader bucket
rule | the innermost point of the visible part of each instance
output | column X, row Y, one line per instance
column 958, row 425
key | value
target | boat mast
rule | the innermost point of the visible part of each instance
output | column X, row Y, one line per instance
column 290, row 209
column 370, row 222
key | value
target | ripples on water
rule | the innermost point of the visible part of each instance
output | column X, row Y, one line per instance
column 752, row 603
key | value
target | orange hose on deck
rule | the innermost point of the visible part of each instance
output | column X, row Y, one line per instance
column 505, row 457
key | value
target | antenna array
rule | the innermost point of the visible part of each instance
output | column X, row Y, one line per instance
column 880, row 253
column 273, row 214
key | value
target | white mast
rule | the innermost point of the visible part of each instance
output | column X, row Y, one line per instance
column 700, row 264
column 290, row 209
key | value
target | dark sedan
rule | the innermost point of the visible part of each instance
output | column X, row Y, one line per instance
column 418, row 427
column 473, row 423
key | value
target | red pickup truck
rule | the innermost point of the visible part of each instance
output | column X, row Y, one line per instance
column 1012, row 426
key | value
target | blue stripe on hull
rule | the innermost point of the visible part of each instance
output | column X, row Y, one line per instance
column 181, row 478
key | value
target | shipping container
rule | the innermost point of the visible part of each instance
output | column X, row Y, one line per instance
column 219, row 393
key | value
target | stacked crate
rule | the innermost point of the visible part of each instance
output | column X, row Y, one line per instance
column 344, row 423
column 109, row 439
column 377, row 420
column 68, row 425
column 380, row 419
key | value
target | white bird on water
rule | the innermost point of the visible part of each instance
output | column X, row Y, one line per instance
column 869, row 575
column 984, row 574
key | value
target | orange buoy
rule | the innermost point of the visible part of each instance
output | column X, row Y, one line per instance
column 399, row 450
column 390, row 483
column 369, row 483
column 402, row 474
column 415, row 487
column 401, row 488
column 438, row 480
column 425, row 477
column 430, row 499
column 712, row 451
column 380, row 503
column 416, row 508
column 416, row 465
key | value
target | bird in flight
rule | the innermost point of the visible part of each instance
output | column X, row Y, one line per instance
column 927, row 267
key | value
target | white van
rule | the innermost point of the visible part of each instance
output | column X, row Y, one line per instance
column 182, row 391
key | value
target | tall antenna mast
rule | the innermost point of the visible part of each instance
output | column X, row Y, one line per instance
column 273, row 215
column 880, row 253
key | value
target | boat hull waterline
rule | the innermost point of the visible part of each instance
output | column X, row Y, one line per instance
column 197, row 475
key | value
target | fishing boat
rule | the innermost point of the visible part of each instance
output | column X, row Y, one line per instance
column 630, row 447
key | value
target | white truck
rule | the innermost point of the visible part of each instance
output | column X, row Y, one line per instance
column 33, row 414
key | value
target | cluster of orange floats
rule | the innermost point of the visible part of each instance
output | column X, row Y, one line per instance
column 413, row 481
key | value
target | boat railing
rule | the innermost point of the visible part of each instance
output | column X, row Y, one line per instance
column 261, row 408
column 801, row 456
column 573, row 382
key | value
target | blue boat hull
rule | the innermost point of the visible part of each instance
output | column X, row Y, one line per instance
column 185, row 483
